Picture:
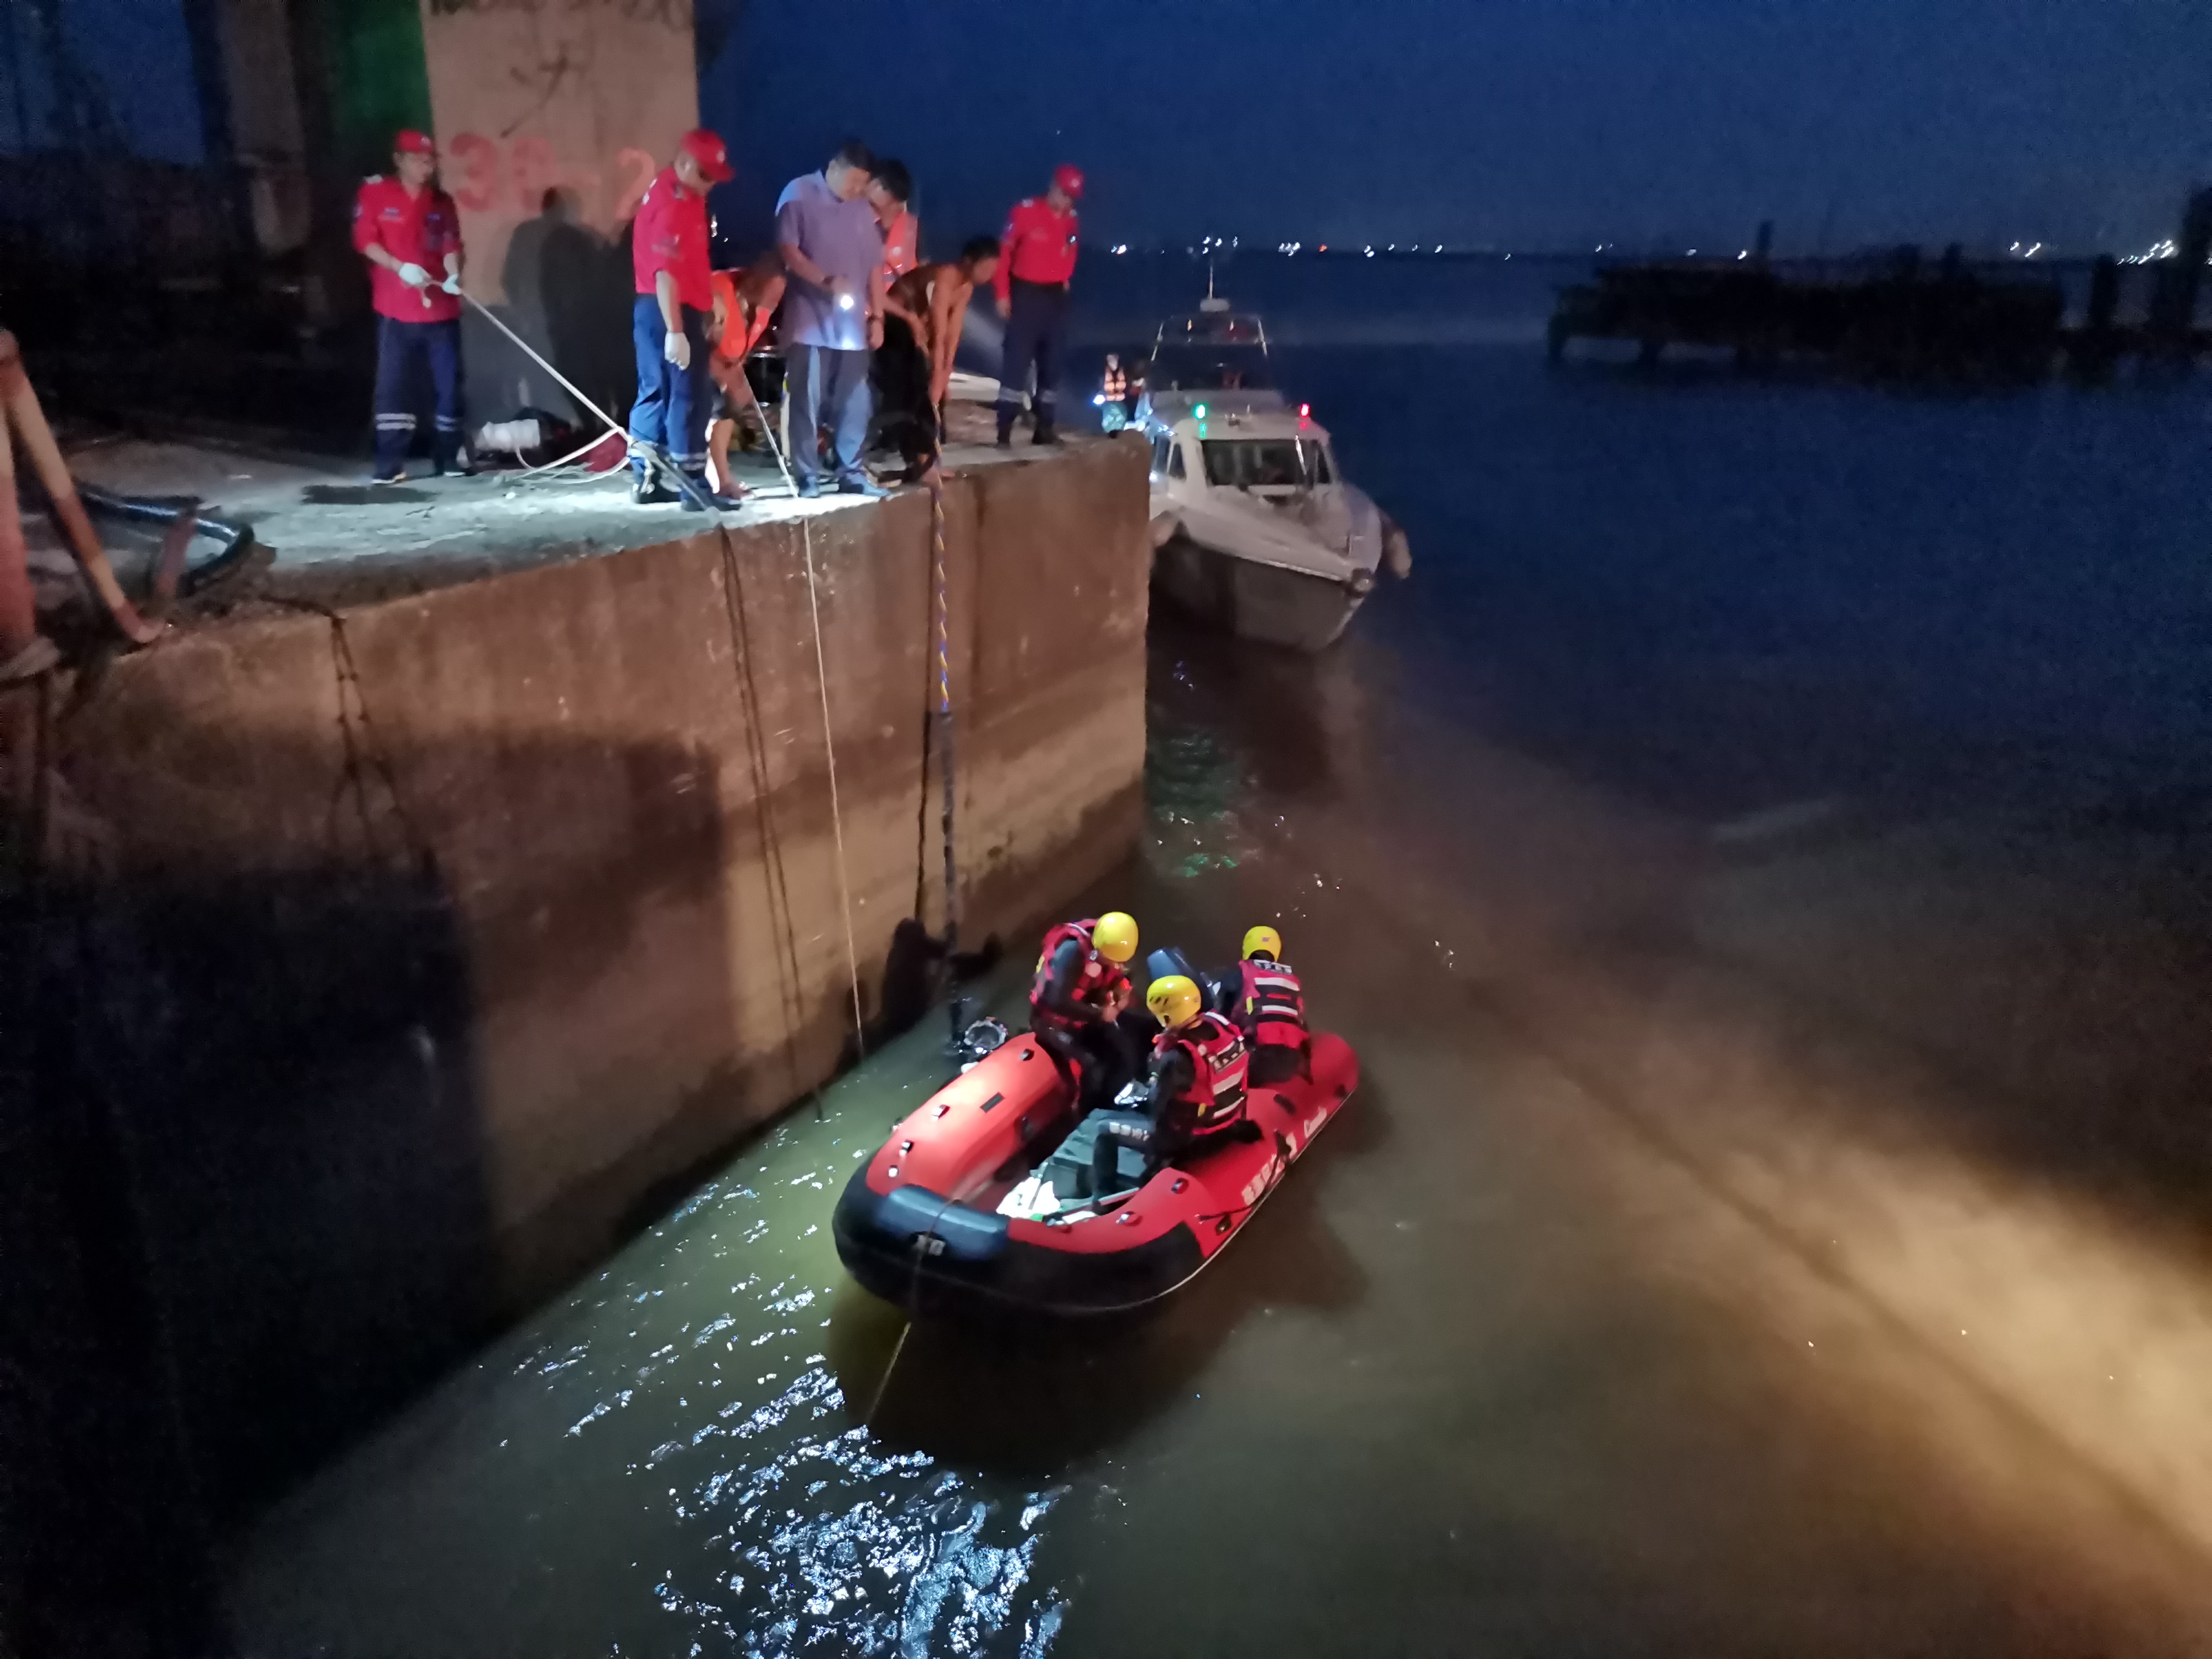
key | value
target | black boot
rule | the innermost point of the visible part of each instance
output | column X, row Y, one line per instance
column 1005, row 429
column 1045, row 433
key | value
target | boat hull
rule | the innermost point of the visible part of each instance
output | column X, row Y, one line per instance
column 1267, row 603
column 906, row 1240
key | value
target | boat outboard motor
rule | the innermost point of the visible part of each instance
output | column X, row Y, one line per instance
column 1219, row 996
column 1169, row 960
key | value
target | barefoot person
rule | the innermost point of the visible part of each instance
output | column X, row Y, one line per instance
column 745, row 304
column 930, row 304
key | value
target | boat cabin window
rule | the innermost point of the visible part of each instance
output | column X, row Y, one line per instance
column 1266, row 464
column 1209, row 367
column 1175, row 459
column 1163, row 446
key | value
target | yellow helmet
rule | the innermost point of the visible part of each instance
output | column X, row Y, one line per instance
column 1173, row 1000
column 1114, row 933
column 1257, row 940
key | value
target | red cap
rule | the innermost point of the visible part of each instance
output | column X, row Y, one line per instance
column 411, row 143
column 710, row 153
column 1067, row 178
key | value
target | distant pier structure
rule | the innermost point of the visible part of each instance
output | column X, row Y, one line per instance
column 1899, row 316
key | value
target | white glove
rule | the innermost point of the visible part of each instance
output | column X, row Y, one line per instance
column 413, row 275
column 678, row 348
column 452, row 286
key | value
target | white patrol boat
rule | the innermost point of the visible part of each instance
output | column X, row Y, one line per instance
column 1253, row 527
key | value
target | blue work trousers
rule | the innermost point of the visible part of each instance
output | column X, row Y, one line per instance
column 399, row 347
column 1036, row 330
column 828, row 388
column 673, row 405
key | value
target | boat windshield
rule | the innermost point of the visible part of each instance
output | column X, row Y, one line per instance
column 1266, row 462
column 1210, row 366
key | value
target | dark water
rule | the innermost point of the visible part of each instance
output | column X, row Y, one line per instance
column 1761, row 859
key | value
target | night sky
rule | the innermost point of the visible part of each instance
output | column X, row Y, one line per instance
column 1513, row 123
column 1517, row 123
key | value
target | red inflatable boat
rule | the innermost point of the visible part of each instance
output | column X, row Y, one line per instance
column 975, row 1203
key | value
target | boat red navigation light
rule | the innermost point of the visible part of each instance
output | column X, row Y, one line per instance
column 1305, row 412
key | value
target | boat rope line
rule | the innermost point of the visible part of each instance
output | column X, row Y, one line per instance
column 836, row 816
column 883, row 1387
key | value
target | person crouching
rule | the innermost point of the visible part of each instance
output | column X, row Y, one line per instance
column 745, row 304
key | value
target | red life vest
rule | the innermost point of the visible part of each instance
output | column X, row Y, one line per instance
column 1214, row 1097
column 1101, row 977
column 1271, row 1007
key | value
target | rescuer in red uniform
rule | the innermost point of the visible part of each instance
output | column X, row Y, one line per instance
column 1270, row 1009
column 1077, row 998
column 1035, row 263
column 409, row 232
column 1200, row 1064
column 669, row 322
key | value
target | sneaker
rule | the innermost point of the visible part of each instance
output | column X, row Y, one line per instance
column 397, row 477
column 809, row 489
column 646, row 490
column 867, row 487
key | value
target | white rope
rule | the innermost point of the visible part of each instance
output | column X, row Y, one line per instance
column 531, row 352
column 768, row 431
column 690, row 488
column 577, row 455
column 837, row 818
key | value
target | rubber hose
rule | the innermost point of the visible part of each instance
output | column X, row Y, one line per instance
column 236, row 540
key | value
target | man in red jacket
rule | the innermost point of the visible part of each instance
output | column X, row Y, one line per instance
column 409, row 232
column 1035, row 263
column 674, row 309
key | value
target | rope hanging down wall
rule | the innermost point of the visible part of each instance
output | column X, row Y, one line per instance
column 836, row 816
column 941, row 631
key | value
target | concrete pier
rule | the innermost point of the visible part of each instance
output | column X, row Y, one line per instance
column 450, row 934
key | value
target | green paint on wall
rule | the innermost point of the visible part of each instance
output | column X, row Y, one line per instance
column 380, row 77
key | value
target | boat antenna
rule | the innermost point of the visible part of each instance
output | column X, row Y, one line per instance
column 1211, row 303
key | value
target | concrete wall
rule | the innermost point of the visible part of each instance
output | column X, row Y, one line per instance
column 459, row 927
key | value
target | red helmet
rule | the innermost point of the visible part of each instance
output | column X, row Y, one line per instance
column 407, row 141
column 708, row 149
column 1067, row 179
